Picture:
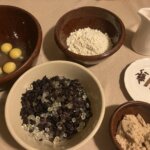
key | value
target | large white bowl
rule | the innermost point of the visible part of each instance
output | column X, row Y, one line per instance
column 61, row 68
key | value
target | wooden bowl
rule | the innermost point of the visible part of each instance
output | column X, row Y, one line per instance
column 95, row 18
column 132, row 107
column 22, row 30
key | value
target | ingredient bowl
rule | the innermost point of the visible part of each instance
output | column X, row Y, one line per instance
column 94, row 18
column 128, row 108
column 21, row 29
column 69, row 70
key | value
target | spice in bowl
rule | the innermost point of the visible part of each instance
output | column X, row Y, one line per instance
column 55, row 109
column 88, row 42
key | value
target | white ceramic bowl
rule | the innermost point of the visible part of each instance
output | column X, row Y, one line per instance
column 62, row 68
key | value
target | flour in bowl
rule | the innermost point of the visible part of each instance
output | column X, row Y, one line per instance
column 88, row 42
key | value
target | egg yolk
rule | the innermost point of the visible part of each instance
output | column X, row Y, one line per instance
column 6, row 47
column 9, row 67
column 15, row 53
column 1, row 71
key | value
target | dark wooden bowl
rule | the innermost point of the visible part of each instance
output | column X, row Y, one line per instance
column 132, row 107
column 95, row 18
column 20, row 28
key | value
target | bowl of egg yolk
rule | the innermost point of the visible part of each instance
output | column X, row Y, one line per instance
column 20, row 42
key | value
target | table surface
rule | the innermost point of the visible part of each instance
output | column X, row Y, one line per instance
column 110, row 71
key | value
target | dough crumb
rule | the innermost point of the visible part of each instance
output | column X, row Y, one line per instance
column 133, row 133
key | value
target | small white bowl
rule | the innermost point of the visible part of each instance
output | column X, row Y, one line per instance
column 53, row 68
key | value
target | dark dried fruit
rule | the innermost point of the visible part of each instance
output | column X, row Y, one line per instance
column 58, row 105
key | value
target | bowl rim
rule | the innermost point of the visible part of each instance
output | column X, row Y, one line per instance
column 85, row 57
column 35, row 52
column 92, row 133
column 120, row 107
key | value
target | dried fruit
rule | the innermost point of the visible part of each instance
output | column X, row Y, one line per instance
column 59, row 107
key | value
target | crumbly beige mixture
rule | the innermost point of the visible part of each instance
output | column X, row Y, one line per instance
column 133, row 133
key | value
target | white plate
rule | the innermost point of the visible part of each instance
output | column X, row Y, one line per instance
column 135, row 89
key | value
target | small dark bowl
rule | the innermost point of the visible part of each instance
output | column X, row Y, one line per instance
column 133, row 107
column 95, row 18
column 20, row 28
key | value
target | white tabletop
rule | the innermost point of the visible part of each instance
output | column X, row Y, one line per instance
column 110, row 71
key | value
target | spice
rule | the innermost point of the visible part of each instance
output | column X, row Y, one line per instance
column 88, row 42
column 141, row 75
column 54, row 109
column 147, row 82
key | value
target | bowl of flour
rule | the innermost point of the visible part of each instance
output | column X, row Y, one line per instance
column 89, row 34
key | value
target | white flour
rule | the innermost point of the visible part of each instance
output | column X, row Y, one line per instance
column 88, row 41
